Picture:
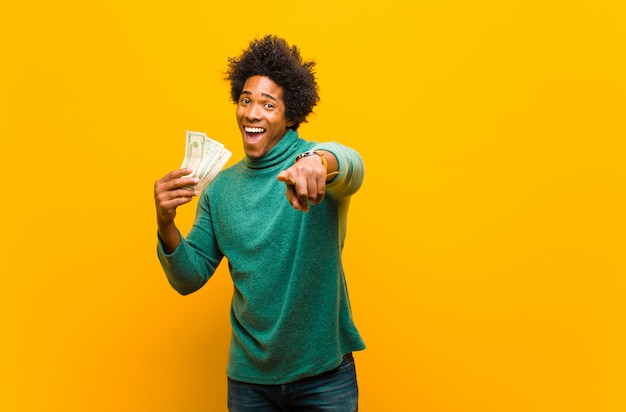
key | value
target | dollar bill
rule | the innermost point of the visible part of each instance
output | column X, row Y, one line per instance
column 205, row 156
column 194, row 150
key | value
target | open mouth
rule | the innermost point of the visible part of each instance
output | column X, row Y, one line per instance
column 253, row 134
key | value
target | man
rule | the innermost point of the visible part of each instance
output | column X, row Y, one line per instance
column 292, row 328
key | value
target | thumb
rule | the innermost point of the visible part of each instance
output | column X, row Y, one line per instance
column 285, row 177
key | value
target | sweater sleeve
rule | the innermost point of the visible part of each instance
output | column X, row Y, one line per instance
column 351, row 170
column 196, row 258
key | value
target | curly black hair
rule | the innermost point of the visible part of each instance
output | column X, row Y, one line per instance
column 273, row 57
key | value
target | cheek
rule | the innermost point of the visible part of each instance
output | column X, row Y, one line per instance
column 279, row 121
column 240, row 115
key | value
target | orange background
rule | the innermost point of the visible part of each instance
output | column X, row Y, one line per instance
column 485, row 253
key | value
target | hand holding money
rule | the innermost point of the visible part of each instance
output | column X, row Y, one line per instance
column 205, row 156
column 204, row 159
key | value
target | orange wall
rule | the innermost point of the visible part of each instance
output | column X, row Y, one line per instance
column 485, row 253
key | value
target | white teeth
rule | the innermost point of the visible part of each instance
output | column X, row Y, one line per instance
column 254, row 129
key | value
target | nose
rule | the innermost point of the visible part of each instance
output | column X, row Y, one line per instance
column 253, row 112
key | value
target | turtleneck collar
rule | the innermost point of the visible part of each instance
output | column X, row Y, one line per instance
column 283, row 150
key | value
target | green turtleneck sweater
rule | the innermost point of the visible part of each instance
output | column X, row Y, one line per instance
column 290, row 311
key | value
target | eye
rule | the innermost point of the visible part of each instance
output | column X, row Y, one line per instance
column 269, row 105
column 244, row 100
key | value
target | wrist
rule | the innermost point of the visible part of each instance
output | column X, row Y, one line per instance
column 313, row 152
column 321, row 155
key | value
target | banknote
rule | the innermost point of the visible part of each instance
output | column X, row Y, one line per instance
column 205, row 156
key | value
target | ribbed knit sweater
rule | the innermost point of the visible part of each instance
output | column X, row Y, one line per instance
column 290, row 310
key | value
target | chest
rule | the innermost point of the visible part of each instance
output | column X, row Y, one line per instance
column 252, row 214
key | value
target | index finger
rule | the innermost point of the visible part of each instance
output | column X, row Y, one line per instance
column 181, row 178
column 179, row 173
column 285, row 177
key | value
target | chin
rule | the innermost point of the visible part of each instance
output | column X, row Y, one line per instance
column 253, row 154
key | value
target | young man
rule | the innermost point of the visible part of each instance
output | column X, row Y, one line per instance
column 292, row 328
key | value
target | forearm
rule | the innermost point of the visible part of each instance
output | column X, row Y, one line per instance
column 169, row 236
column 191, row 260
column 348, row 163
column 332, row 167
column 187, row 268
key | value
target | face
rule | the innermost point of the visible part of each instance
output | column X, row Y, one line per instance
column 261, row 116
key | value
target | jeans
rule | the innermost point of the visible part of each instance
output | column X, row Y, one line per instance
column 332, row 391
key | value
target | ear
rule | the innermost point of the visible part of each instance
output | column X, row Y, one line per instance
column 290, row 123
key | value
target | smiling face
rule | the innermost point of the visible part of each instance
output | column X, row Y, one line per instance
column 261, row 116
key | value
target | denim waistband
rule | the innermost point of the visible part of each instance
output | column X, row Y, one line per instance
column 347, row 358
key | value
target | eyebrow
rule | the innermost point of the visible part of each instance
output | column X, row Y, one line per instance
column 269, row 96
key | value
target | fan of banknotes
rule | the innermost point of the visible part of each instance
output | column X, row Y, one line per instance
column 205, row 156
